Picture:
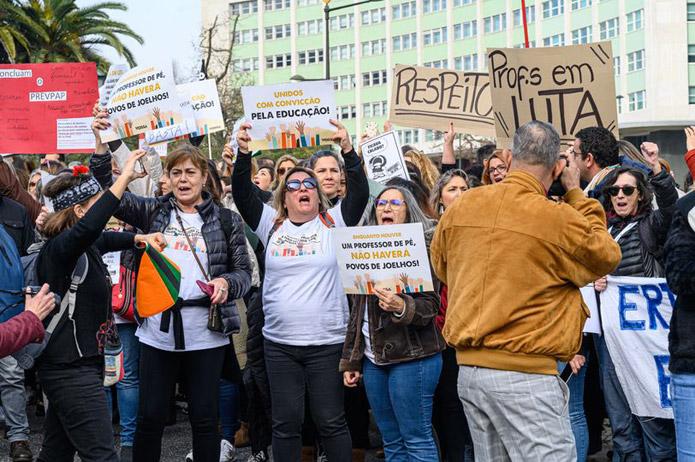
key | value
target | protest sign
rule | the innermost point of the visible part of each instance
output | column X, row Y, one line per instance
column 383, row 158
column 569, row 87
column 145, row 100
column 114, row 74
column 386, row 257
column 112, row 260
column 636, row 314
column 47, row 108
column 290, row 115
column 593, row 322
column 205, row 104
column 424, row 97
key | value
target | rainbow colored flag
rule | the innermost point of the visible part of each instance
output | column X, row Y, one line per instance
column 158, row 283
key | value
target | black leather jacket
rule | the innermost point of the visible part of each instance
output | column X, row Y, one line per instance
column 226, row 258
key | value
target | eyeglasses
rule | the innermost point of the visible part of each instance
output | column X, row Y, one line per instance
column 296, row 185
column 395, row 203
column 615, row 190
column 498, row 169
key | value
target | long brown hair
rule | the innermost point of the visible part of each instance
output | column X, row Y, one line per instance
column 281, row 192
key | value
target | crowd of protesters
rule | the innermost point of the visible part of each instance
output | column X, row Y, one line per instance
column 492, row 365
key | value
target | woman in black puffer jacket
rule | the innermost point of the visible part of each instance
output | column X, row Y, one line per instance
column 641, row 233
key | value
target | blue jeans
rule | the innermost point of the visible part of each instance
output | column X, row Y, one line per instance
column 632, row 435
column 683, row 397
column 128, row 389
column 580, row 429
column 401, row 399
column 229, row 409
column 14, row 400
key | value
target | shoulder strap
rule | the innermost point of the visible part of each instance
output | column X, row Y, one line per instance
column 276, row 225
column 327, row 219
column 68, row 303
column 190, row 244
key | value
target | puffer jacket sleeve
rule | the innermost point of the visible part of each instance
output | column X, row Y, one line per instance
column 100, row 166
column 679, row 256
column 238, row 274
column 666, row 198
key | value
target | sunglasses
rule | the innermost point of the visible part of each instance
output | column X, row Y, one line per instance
column 395, row 203
column 296, row 185
column 615, row 190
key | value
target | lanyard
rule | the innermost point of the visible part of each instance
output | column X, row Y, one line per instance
column 623, row 232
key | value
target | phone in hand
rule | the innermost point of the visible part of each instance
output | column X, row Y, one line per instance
column 207, row 289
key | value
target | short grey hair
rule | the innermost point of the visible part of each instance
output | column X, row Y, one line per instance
column 414, row 213
column 536, row 143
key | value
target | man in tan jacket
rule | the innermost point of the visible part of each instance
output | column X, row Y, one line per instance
column 513, row 262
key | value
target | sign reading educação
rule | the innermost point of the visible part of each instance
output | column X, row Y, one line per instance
column 290, row 115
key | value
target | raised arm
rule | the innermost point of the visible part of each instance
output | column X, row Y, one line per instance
column 448, row 157
column 352, row 206
column 249, row 204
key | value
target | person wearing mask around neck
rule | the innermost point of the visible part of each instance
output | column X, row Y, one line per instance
column 394, row 344
column 71, row 366
column 513, row 263
column 207, row 242
column 305, row 307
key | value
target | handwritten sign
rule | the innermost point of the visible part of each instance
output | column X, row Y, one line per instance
column 205, row 104
column 41, row 104
column 290, row 115
column 387, row 257
column 144, row 100
column 424, row 97
column 383, row 158
column 569, row 87
column 636, row 314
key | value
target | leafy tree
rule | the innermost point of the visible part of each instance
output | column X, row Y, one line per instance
column 14, row 24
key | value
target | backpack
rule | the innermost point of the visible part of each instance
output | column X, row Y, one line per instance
column 11, row 278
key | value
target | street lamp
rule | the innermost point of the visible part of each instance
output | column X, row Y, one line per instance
column 326, row 17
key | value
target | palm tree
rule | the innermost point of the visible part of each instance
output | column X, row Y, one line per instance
column 70, row 33
column 13, row 24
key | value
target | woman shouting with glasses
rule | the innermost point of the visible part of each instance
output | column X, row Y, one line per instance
column 305, row 307
column 641, row 231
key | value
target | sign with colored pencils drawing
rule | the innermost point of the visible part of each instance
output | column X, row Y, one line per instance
column 390, row 257
column 205, row 103
column 290, row 115
column 145, row 100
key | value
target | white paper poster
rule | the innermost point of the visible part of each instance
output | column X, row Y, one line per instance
column 114, row 74
column 205, row 104
column 593, row 322
column 75, row 133
column 112, row 260
column 383, row 158
column 636, row 314
column 392, row 256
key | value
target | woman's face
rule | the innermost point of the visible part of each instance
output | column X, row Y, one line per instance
column 263, row 179
column 284, row 167
column 497, row 170
column 303, row 203
column 33, row 181
column 624, row 204
column 165, row 183
column 391, row 208
column 187, row 182
column 452, row 190
column 327, row 171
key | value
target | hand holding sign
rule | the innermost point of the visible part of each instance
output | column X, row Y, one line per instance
column 388, row 301
column 243, row 138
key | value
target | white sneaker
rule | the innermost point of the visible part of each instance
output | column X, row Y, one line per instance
column 189, row 456
column 227, row 451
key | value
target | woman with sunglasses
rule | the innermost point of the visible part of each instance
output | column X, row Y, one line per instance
column 304, row 304
column 641, row 233
column 393, row 343
column 282, row 166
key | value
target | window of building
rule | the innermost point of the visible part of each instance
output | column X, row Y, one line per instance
column 342, row 52
column 278, row 61
column 581, row 35
column 347, row 112
column 635, row 60
column 616, row 65
column 374, row 47
column 247, row 7
column 609, row 28
column 466, row 63
column 465, row 30
column 343, row 21
column 496, row 23
column 405, row 42
column 278, row 32
column 344, row 82
column 408, row 136
column 270, row 5
column 579, row 4
column 691, row 11
column 313, row 27
column 532, row 44
column 432, row 135
column 374, row 16
column 438, row 64
column 245, row 65
column 433, row 6
column 691, row 53
column 691, row 95
column 635, row 20
column 246, row 36
column 458, row 3
column 557, row 40
column 404, row 10
column 552, row 8
column 637, row 100
column 310, row 56
column 434, row 36
column 370, row 79
column 307, row 2
column 518, row 20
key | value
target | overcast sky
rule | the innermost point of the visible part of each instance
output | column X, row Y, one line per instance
column 170, row 29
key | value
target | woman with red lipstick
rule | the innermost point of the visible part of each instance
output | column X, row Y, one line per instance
column 641, row 233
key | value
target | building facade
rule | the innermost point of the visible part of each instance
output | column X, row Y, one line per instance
column 653, row 44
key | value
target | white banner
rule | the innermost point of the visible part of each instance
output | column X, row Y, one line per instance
column 383, row 158
column 636, row 314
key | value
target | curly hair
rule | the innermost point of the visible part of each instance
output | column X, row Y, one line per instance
column 428, row 171
column 643, row 188
column 600, row 143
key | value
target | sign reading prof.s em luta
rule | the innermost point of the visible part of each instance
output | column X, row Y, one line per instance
column 569, row 87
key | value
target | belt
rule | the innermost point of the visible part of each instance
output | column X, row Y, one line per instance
column 173, row 314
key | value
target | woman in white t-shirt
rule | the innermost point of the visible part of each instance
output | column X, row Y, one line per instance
column 305, row 307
